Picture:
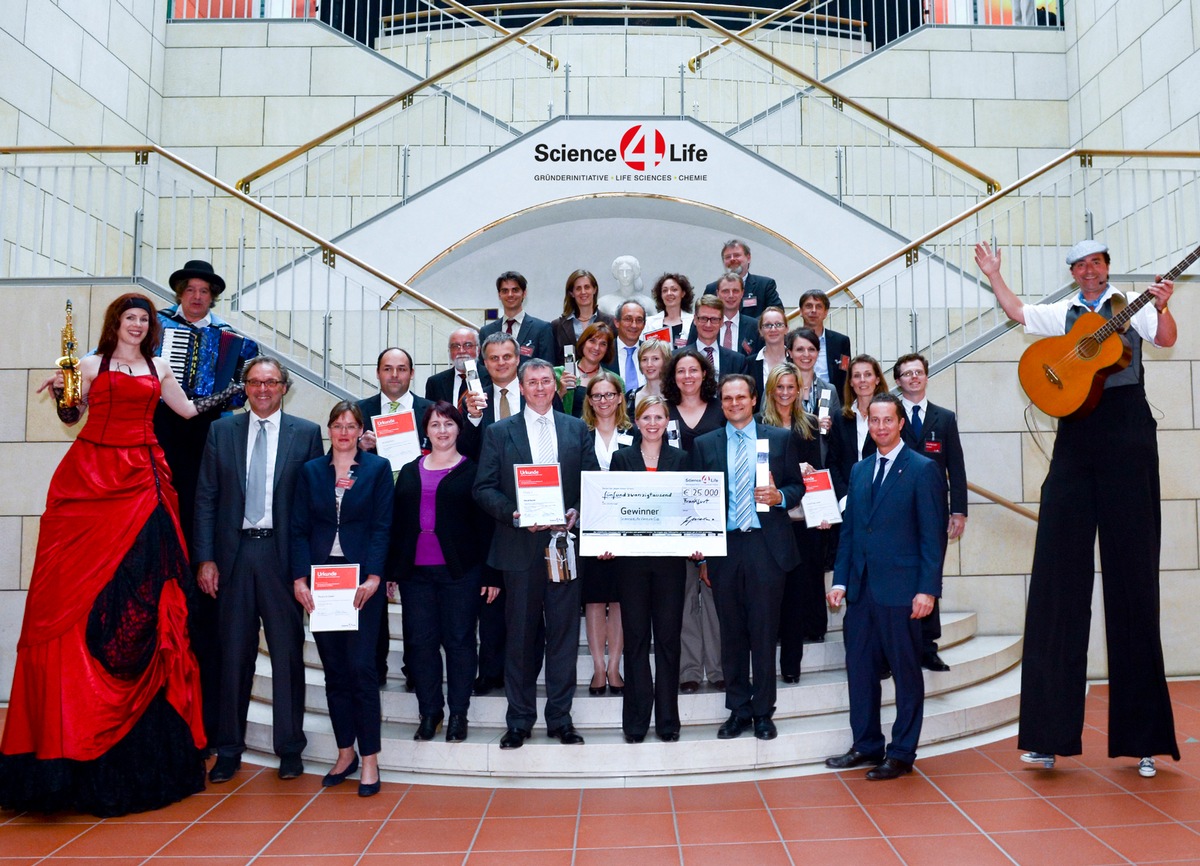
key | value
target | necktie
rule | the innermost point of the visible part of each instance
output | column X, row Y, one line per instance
column 631, row 368
column 508, row 327
column 256, row 481
column 727, row 339
column 879, row 473
column 393, row 406
column 709, row 351
column 462, row 392
column 545, row 450
column 916, row 422
column 743, row 473
column 505, row 410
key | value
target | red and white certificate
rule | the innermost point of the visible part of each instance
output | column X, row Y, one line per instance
column 333, row 588
column 819, row 502
column 539, row 494
column 396, row 438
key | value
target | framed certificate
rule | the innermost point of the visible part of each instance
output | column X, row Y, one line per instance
column 539, row 494
column 652, row 513
column 820, row 503
column 396, row 438
column 333, row 589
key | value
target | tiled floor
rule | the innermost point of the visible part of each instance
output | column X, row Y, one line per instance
column 976, row 807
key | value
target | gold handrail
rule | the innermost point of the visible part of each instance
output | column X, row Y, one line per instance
column 839, row 100
column 1084, row 154
column 330, row 251
column 695, row 62
column 551, row 60
column 1000, row 500
column 585, row 5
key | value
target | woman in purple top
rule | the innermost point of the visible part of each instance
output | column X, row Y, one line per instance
column 440, row 540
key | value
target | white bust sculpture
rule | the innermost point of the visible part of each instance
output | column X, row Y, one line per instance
column 627, row 271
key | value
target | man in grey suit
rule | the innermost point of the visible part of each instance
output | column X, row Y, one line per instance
column 536, row 434
column 243, row 503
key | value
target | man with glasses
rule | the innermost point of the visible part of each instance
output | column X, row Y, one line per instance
column 243, row 509
column 449, row 385
column 631, row 321
column 932, row 430
column 739, row 332
column 710, row 312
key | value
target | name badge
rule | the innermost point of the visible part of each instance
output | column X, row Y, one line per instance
column 844, row 362
column 933, row 447
column 681, row 342
column 344, row 483
column 526, row 351
column 749, row 302
column 624, row 439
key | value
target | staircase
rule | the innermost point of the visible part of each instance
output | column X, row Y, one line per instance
column 979, row 693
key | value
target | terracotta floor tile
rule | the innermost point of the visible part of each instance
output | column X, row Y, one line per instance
column 1067, row 783
column 1171, row 777
column 709, row 798
column 257, row 807
column 120, row 839
column 223, row 840
column 992, row 786
column 33, row 861
column 1109, row 810
column 300, row 860
column 999, row 816
column 667, row 855
column 526, row 834
column 625, row 801
column 521, row 858
column 411, row 860
column 919, row 819
column 425, row 835
column 185, row 811
column 311, row 837
column 825, row 822
column 758, row 854
column 626, row 831
column 55, row 819
column 699, row 828
column 38, row 840
column 957, row 763
column 267, row 782
column 182, row 861
column 95, row 861
column 844, row 852
column 806, row 791
column 906, row 789
column 975, row 850
column 1057, row 848
column 533, row 802
column 1180, row 805
column 443, row 803
column 326, row 807
column 1159, row 842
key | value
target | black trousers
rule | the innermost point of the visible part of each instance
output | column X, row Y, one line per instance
column 650, row 591
column 439, row 616
column 351, row 678
column 535, row 604
column 1103, row 478
column 747, row 590
column 492, row 632
column 802, row 613
column 257, row 589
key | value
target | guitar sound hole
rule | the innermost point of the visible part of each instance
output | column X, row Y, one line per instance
column 1087, row 348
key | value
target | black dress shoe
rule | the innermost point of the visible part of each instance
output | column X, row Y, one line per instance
column 616, row 690
column 634, row 739
column 567, row 735
column 224, row 769
column 734, row 726
column 791, row 678
column 428, row 727
column 410, row 687
column 885, row 673
column 688, row 687
column 597, row 691
column 513, row 739
column 669, row 736
column 931, row 661
column 852, row 759
column 290, row 767
column 764, row 728
column 456, row 728
column 332, row 778
column 719, row 685
column 483, row 686
column 892, row 768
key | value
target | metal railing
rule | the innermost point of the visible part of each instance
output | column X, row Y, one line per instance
column 74, row 214
column 928, row 295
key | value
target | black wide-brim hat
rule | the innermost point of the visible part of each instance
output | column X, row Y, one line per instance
column 203, row 270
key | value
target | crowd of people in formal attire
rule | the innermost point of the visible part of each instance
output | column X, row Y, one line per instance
column 148, row 655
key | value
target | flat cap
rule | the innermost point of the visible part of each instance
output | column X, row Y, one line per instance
column 1083, row 249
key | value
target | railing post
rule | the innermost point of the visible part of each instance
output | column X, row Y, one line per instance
column 404, row 176
column 328, row 331
column 428, row 50
column 567, row 90
column 912, row 321
column 138, row 222
column 817, row 57
column 1089, row 225
column 841, row 157
column 682, row 94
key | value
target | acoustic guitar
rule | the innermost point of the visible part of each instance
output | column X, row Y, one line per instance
column 1064, row 376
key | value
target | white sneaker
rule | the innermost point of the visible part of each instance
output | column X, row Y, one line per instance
column 1046, row 760
column 1146, row 768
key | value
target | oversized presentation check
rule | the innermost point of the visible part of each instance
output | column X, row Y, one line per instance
column 652, row 513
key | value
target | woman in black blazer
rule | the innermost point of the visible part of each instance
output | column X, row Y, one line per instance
column 849, row 440
column 342, row 513
column 440, row 540
column 651, row 590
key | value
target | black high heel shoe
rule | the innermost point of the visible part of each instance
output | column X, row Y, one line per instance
column 597, row 691
column 332, row 778
column 616, row 690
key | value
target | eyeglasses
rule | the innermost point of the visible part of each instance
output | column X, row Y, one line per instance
column 344, row 428
column 603, row 398
column 772, row 326
column 911, row 374
column 263, row 383
column 455, row 347
column 708, row 320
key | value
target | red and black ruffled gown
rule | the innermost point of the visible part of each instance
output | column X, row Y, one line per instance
column 105, row 710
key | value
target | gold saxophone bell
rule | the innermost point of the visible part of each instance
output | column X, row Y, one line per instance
column 72, row 390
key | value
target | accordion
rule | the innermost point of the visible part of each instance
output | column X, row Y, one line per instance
column 206, row 360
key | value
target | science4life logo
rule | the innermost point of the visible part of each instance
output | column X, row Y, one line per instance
column 642, row 148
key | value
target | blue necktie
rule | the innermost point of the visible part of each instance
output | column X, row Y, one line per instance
column 916, row 422
column 879, row 473
column 743, row 477
column 631, row 368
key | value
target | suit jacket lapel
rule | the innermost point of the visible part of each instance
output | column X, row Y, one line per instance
column 241, row 434
column 285, row 442
column 520, row 440
column 893, row 475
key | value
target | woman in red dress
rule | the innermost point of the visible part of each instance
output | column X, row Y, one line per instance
column 105, row 709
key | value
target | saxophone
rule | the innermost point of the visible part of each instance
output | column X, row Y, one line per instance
column 72, row 391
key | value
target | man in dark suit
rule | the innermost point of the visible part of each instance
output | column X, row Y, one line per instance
column 536, row 434
column 889, row 568
column 243, row 508
column 738, row 332
column 833, row 361
column 709, row 315
column 932, row 430
column 747, row 582
column 449, row 384
column 760, row 292
column 535, row 338
column 394, row 370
